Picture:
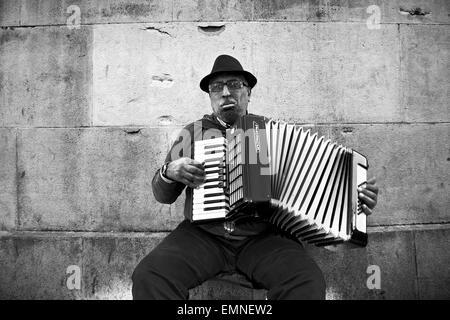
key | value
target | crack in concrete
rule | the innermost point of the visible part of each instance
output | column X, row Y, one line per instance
column 94, row 284
column 333, row 124
column 18, row 183
column 83, row 234
column 416, row 266
column 157, row 29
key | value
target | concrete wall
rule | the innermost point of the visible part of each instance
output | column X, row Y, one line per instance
column 88, row 112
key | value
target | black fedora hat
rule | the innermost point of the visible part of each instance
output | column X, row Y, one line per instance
column 227, row 64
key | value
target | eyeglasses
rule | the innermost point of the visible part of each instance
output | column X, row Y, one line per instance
column 232, row 85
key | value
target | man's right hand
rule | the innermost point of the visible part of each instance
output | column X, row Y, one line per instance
column 187, row 171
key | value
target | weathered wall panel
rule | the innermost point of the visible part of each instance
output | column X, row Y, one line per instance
column 90, row 179
column 8, row 182
column 45, row 77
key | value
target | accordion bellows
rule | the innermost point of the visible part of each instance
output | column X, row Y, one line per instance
column 308, row 182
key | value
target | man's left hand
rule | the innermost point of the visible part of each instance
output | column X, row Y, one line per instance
column 368, row 195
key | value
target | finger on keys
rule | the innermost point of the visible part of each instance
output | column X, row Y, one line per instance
column 366, row 210
column 194, row 178
column 367, row 201
column 367, row 192
column 195, row 171
column 197, row 164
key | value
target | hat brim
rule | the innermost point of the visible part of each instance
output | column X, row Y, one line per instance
column 204, row 83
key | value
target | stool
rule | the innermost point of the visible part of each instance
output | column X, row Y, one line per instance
column 227, row 286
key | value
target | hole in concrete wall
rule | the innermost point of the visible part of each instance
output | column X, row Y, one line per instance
column 166, row 120
column 164, row 80
column 321, row 13
column 347, row 130
column 132, row 131
column 213, row 30
column 414, row 12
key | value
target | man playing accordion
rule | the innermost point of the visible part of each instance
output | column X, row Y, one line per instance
column 194, row 253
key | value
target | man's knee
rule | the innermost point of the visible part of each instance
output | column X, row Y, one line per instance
column 151, row 281
column 315, row 282
column 301, row 282
column 139, row 274
column 310, row 279
column 142, row 281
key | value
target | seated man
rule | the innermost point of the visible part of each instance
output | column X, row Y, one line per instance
column 192, row 254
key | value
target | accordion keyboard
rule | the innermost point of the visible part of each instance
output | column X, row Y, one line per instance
column 210, row 200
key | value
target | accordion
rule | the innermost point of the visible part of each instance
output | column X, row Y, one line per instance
column 302, row 183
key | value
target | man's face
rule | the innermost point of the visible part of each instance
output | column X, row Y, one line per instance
column 229, row 104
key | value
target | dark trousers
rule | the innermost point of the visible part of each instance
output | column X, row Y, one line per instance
column 188, row 256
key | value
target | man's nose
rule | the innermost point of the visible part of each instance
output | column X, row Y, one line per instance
column 225, row 91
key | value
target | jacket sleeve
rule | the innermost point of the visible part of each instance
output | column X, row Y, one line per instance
column 168, row 192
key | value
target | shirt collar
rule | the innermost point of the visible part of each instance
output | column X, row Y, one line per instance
column 225, row 125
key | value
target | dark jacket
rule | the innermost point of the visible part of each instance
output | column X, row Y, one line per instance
column 168, row 192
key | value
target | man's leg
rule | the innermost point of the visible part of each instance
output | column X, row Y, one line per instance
column 282, row 266
column 187, row 257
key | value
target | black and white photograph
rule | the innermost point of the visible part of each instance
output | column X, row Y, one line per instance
column 224, row 150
